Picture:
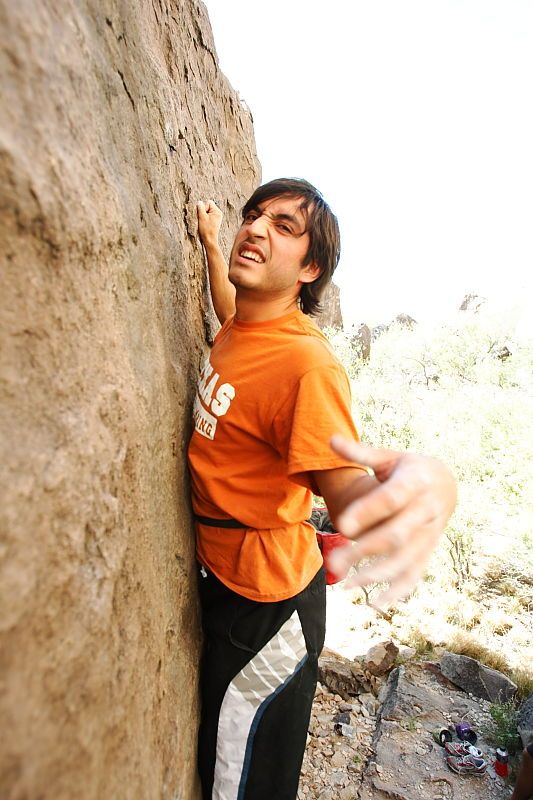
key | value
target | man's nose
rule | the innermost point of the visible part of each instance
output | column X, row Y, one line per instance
column 257, row 227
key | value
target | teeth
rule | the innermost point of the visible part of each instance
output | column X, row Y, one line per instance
column 254, row 256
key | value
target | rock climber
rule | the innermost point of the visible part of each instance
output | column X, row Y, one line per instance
column 272, row 426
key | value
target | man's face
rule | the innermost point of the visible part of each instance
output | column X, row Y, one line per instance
column 270, row 247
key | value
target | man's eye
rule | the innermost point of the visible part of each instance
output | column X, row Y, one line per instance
column 251, row 217
column 283, row 227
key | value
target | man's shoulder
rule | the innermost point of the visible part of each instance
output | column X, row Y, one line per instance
column 293, row 345
column 310, row 346
column 310, row 339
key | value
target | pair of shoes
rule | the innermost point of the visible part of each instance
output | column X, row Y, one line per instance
column 462, row 749
column 467, row 765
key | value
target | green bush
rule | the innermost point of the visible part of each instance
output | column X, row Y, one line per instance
column 503, row 731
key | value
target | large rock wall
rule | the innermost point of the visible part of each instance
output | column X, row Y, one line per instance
column 114, row 121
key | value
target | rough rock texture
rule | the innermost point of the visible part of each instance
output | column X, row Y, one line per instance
column 115, row 120
column 381, row 657
column 525, row 721
column 481, row 681
column 331, row 315
column 346, row 677
column 407, row 763
column 335, row 672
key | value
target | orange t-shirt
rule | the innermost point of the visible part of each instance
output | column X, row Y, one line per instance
column 270, row 396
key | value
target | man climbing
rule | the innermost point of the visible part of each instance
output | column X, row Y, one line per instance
column 271, row 403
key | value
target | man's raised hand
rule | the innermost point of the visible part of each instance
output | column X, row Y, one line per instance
column 399, row 518
column 222, row 292
column 209, row 221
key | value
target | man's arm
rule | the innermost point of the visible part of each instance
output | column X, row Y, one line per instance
column 222, row 291
column 398, row 514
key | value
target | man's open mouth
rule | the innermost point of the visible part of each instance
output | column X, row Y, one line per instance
column 252, row 255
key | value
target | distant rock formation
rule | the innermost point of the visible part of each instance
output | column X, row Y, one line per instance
column 331, row 314
column 472, row 302
column 403, row 320
column 114, row 120
column 379, row 330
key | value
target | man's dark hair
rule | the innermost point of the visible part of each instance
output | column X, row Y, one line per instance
column 322, row 226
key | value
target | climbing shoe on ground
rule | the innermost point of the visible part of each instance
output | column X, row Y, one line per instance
column 462, row 749
column 467, row 765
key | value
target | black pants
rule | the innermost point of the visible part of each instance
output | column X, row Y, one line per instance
column 258, row 682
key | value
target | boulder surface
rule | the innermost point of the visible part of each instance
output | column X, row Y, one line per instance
column 474, row 677
column 381, row 657
column 114, row 121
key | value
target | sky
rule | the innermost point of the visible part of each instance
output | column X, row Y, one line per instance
column 415, row 120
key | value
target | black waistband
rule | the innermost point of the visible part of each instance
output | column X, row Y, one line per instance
column 219, row 523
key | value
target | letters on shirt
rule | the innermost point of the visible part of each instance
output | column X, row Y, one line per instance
column 217, row 400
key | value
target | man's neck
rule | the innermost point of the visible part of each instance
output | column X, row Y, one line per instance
column 251, row 309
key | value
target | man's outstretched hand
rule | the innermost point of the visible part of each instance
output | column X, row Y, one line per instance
column 399, row 515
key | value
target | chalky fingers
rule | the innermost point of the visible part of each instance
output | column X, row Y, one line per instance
column 383, row 502
column 390, row 536
column 391, row 567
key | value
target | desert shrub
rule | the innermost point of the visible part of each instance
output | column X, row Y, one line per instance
column 498, row 621
column 523, row 677
column 503, row 731
column 466, row 613
column 460, row 544
column 445, row 391
column 419, row 641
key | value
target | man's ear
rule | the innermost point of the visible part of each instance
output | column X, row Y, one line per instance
column 309, row 273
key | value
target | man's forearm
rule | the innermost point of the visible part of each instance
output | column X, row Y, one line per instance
column 222, row 291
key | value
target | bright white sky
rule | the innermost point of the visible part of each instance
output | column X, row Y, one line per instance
column 415, row 120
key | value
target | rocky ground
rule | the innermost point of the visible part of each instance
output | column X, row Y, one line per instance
column 334, row 761
column 370, row 749
column 377, row 748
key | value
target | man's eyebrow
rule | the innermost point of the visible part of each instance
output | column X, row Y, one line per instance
column 286, row 218
column 281, row 217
